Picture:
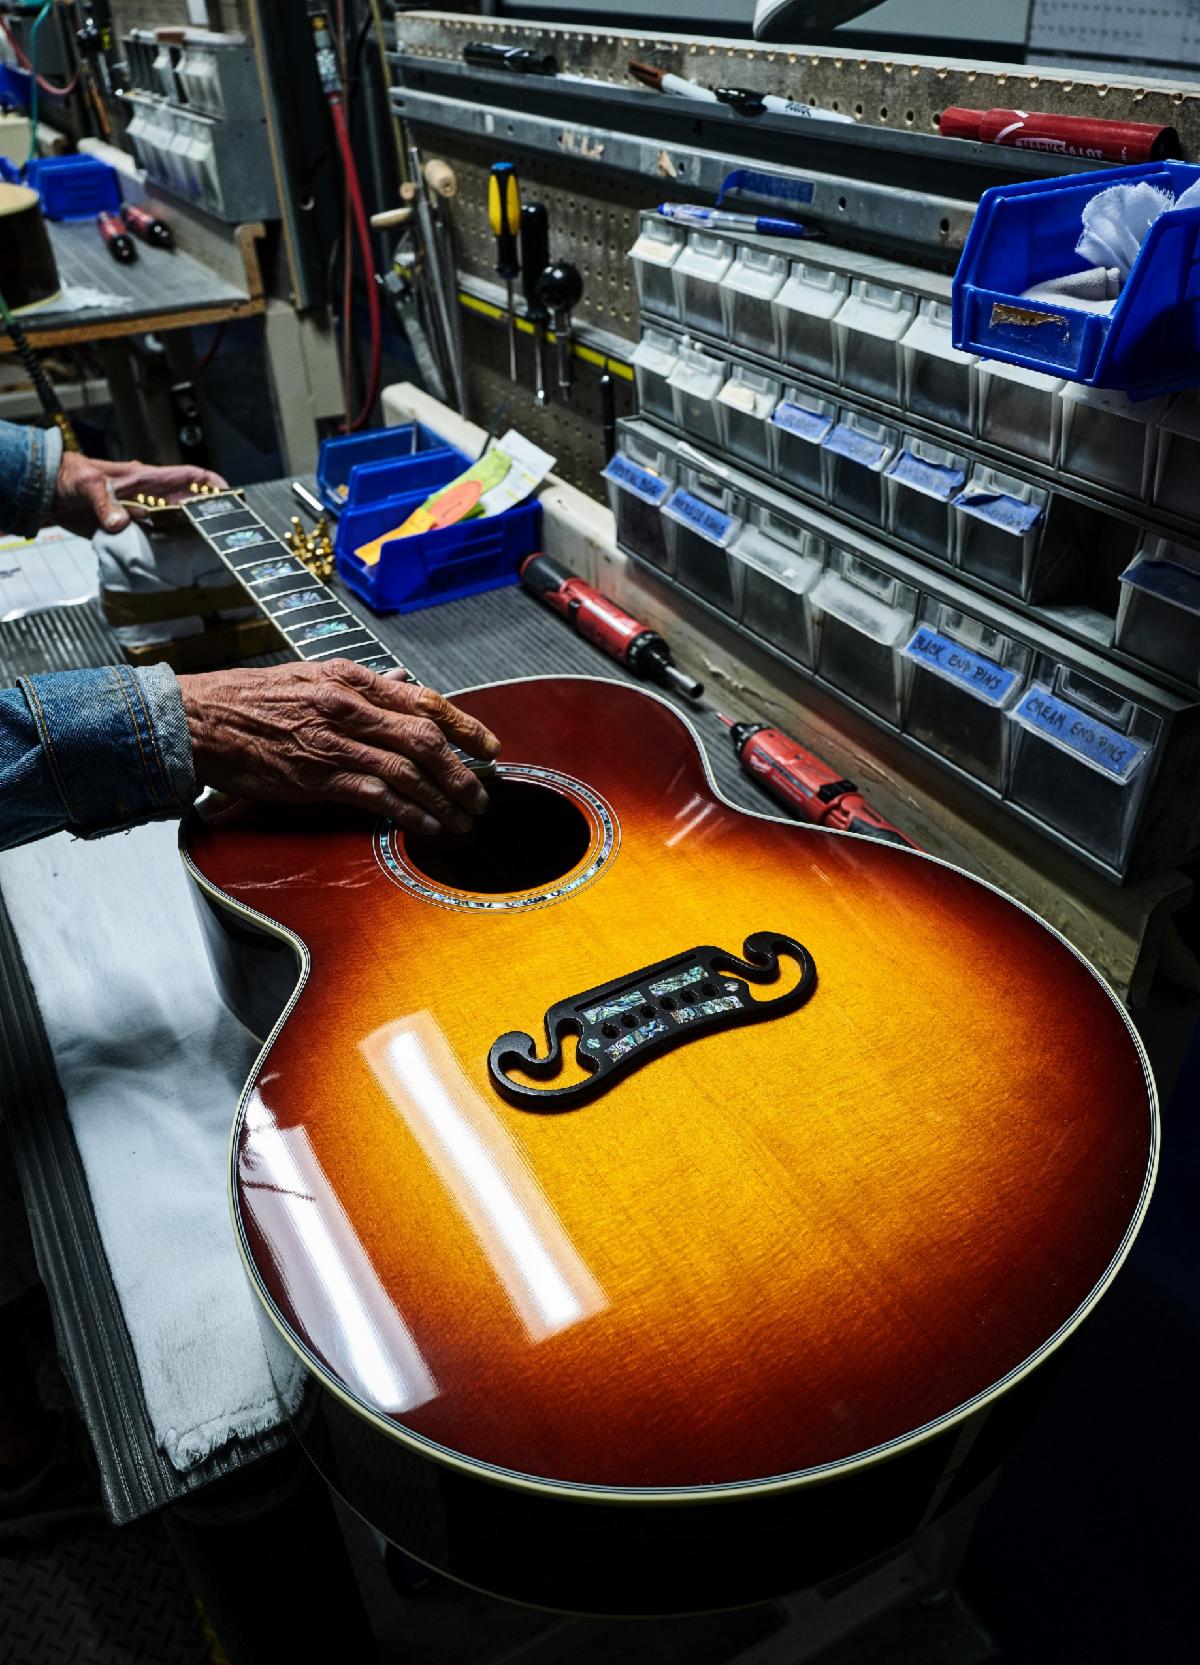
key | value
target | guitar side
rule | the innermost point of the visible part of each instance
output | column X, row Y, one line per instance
column 778, row 1275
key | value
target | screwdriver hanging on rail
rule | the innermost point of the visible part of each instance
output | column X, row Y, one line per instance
column 504, row 215
column 535, row 257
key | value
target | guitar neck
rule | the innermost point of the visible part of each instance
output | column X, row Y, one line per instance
column 312, row 620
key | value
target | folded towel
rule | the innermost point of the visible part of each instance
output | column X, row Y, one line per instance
column 152, row 1064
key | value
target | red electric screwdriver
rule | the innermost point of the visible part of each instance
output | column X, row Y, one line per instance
column 806, row 785
column 601, row 621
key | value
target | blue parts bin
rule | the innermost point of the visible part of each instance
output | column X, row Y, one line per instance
column 71, row 187
column 339, row 457
column 1025, row 234
column 443, row 565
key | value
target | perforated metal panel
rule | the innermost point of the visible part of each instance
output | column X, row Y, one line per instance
column 593, row 220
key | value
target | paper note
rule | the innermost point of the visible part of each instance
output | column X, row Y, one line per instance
column 54, row 569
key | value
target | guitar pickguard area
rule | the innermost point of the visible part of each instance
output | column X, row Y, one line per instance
column 625, row 1023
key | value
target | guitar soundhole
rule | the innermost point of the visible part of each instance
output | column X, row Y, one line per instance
column 529, row 836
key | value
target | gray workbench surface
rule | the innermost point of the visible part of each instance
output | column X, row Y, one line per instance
column 157, row 283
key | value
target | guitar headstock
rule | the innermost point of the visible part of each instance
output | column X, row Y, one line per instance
column 164, row 515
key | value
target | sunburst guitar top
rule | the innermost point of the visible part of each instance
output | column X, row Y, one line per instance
column 640, row 1151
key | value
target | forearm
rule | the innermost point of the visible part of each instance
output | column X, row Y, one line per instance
column 29, row 463
column 92, row 752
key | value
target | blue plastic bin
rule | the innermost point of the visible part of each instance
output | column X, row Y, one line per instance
column 443, row 565
column 74, row 187
column 1148, row 343
column 421, row 471
column 14, row 87
column 339, row 457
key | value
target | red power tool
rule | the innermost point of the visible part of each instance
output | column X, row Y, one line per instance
column 631, row 643
column 806, row 785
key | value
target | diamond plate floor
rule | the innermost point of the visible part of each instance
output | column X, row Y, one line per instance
column 90, row 1595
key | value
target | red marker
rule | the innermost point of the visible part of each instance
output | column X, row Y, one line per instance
column 1093, row 139
column 116, row 239
column 147, row 226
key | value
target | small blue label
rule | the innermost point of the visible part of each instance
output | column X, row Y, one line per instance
column 1115, row 754
column 651, row 488
column 983, row 677
column 701, row 517
column 796, row 419
column 748, row 181
column 933, row 479
column 857, row 447
column 1010, row 514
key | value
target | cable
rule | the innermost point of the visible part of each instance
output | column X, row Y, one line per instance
column 331, row 75
column 64, row 91
column 364, row 246
column 210, row 352
column 47, row 397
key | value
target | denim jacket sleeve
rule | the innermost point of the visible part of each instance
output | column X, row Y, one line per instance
column 92, row 752
column 29, row 459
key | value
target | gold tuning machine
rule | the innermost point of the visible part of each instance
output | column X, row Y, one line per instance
column 314, row 549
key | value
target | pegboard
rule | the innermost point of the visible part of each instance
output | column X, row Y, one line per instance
column 570, row 432
column 593, row 221
column 907, row 93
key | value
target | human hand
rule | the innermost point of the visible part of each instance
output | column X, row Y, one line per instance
column 337, row 733
column 87, row 488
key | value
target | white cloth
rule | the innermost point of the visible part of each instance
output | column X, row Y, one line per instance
column 130, row 561
column 1116, row 220
column 152, row 1064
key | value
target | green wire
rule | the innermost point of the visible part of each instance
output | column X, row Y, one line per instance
column 33, row 79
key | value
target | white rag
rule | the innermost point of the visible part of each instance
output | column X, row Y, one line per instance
column 152, row 1064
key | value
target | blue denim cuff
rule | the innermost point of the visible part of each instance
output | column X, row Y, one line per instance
column 115, row 744
column 31, row 458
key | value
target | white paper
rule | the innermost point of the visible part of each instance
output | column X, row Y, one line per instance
column 55, row 569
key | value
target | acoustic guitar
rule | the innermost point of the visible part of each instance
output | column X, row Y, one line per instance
column 656, row 1206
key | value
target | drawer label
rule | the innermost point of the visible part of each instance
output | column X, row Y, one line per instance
column 1115, row 754
column 650, row 487
column 701, row 517
column 983, row 677
column 797, row 419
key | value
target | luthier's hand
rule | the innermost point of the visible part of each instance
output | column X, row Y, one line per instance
column 337, row 733
column 87, row 488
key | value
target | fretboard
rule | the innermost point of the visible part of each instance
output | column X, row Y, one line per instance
column 312, row 620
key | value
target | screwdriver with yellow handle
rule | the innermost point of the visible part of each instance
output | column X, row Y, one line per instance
column 504, row 215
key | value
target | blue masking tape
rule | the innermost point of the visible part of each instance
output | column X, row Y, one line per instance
column 750, row 182
column 858, row 447
column 701, row 517
column 982, row 677
column 1010, row 514
column 1114, row 754
column 933, row 479
column 798, row 419
column 650, row 487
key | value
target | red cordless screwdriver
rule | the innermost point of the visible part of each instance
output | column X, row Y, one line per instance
column 599, row 620
column 807, row 786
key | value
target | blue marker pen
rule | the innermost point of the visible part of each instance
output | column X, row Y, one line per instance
column 718, row 219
